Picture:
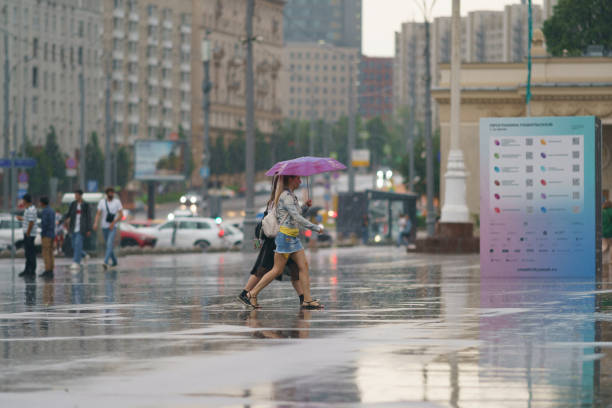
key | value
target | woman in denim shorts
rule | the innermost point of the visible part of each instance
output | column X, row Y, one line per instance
column 287, row 241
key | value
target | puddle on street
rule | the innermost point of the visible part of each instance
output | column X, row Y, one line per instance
column 398, row 329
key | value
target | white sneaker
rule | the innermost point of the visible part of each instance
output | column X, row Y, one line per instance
column 75, row 266
column 86, row 258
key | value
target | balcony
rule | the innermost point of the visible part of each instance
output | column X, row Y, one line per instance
column 152, row 41
column 186, row 125
column 118, row 55
column 118, row 75
column 186, row 48
column 167, row 44
column 186, row 29
column 168, row 124
column 153, row 122
column 185, row 87
column 134, row 119
column 134, row 99
column 133, row 78
column 118, row 33
column 166, row 83
column 119, row 13
column 186, row 106
column 167, row 104
column 152, row 61
column 133, row 36
column 133, row 57
column 185, row 67
column 154, row 21
column 167, row 64
column 167, row 24
column 118, row 117
column 134, row 17
column 153, row 81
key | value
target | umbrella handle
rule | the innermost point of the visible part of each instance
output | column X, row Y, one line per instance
column 308, row 186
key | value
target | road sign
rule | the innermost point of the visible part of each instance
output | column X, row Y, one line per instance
column 205, row 172
column 24, row 162
column 71, row 172
column 71, row 163
column 92, row 186
column 23, row 177
column 21, row 192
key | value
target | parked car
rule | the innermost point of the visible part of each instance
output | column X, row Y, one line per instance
column 183, row 211
column 130, row 236
column 233, row 234
column 5, row 232
column 185, row 232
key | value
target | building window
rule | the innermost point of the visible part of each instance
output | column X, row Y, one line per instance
column 35, row 104
column 35, row 48
column 34, row 77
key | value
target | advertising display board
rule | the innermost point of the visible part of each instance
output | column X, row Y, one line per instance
column 540, row 197
column 160, row 160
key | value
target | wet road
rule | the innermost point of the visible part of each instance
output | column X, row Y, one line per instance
column 399, row 330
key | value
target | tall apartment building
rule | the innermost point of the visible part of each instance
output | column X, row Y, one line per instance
column 516, row 30
column 51, row 43
column 336, row 22
column 148, row 57
column 487, row 36
column 376, row 87
column 157, row 70
column 224, row 20
column 316, row 79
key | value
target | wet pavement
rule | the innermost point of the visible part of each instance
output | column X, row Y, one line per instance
column 398, row 330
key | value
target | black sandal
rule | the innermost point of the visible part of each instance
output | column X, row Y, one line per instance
column 252, row 298
column 312, row 305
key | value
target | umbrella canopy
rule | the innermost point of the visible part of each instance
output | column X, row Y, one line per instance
column 305, row 166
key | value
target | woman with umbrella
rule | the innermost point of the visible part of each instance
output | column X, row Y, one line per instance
column 265, row 259
column 287, row 241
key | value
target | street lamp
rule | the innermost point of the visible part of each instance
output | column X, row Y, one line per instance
column 206, row 88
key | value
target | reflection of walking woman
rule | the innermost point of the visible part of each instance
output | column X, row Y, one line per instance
column 287, row 242
column 606, row 216
column 265, row 259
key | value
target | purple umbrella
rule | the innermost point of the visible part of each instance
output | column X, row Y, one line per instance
column 305, row 166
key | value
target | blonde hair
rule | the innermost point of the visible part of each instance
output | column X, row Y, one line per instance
column 281, row 185
column 273, row 190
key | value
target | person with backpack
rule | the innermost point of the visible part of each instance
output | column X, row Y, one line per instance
column 288, row 245
column 110, row 211
column 265, row 259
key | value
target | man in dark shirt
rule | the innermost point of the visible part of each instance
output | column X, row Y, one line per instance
column 47, row 236
column 79, row 226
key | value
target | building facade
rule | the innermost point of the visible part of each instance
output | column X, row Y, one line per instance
column 51, row 45
column 560, row 87
column 223, row 21
column 487, row 36
column 157, row 70
column 376, row 87
column 316, row 79
column 336, row 22
column 148, row 48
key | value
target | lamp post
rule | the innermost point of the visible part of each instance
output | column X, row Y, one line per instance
column 249, row 219
column 206, row 88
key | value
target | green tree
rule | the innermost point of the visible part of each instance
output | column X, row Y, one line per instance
column 184, row 137
column 50, row 162
column 420, row 169
column 576, row 24
column 378, row 138
column 124, row 164
column 94, row 160
column 218, row 159
column 236, row 152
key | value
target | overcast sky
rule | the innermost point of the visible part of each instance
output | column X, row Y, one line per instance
column 381, row 18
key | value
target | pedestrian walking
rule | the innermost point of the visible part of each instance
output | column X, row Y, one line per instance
column 265, row 259
column 405, row 231
column 78, row 221
column 110, row 212
column 29, row 219
column 287, row 242
column 47, row 234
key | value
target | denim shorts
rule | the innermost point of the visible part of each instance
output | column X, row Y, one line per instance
column 286, row 244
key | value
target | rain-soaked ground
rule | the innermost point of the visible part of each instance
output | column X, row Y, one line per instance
column 398, row 330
